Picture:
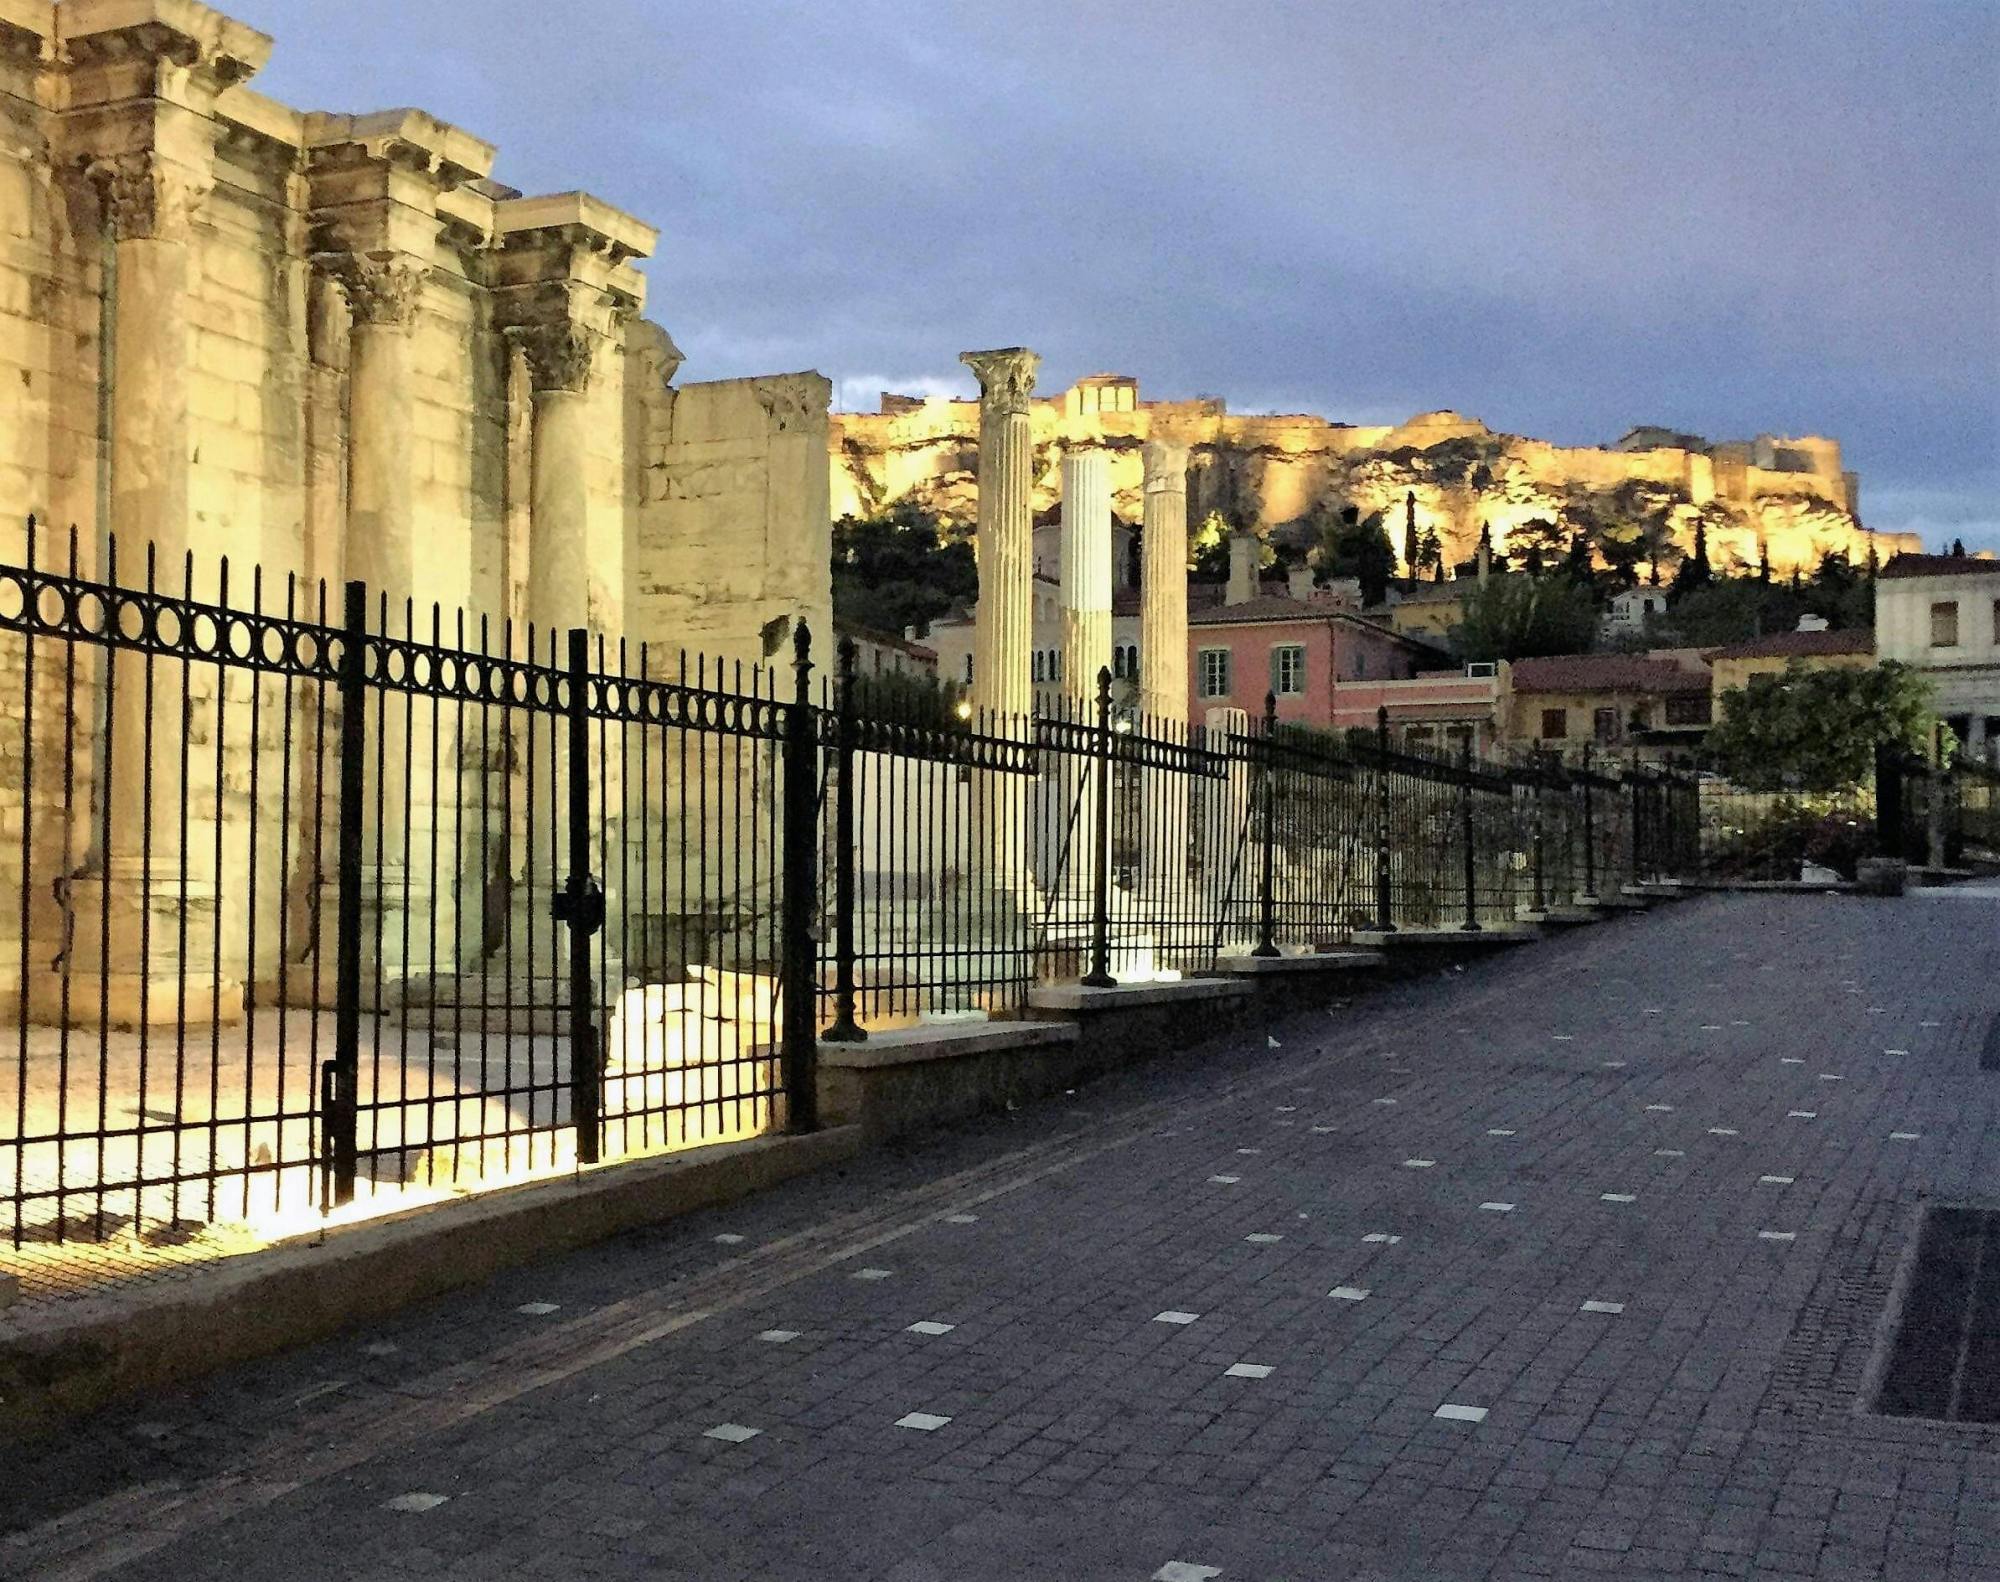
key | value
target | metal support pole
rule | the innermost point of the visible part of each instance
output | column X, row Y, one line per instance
column 798, row 1052
column 1541, row 807
column 1099, row 976
column 1385, row 896
column 580, row 905
column 1589, row 833
column 845, row 1030
column 340, row 1077
column 1267, row 905
column 1471, row 923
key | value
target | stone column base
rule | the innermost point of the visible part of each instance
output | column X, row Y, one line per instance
column 141, row 953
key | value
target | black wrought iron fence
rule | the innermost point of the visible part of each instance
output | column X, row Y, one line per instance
column 322, row 904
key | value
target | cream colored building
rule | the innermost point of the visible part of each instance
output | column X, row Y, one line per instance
column 1940, row 614
column 1738, row 664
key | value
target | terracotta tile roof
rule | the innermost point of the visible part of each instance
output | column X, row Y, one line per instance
column 1787, row 645
column 1605, row 673
column 1938, row 565
column 1268, row 607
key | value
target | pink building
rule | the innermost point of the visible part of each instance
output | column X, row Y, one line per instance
column 1297, row 649
column 1433, row 711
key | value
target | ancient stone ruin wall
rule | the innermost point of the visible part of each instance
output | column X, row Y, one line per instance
column 335, row 347
column 1785, row 497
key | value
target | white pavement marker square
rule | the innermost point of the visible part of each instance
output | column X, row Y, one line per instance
column 778, row 1337
column 961, row 1219
column 1653, row 1010
column 1603, row 1307
column 1904, row 1137
column 1830, row 1076
column 1791, row 1060
column 1564, row 1038
column 1612, row 1065
column 1930, row 1024
column 1185, row 1571
column 1801, row 1115
column 1711, row 1027
column 1383, row 1101
column 927, row 1422
column 1349, row 1293
column 1499, row 1131
column 1776, row 1235
column 1774, row 1180
column 1224, row 1180
column 415, row 1502
column 1616, row 1197
column 1383, row 1237
column 1418, row 1164
column 1498, row 1208
column 929, row 1326
column 1174, row 1316
column 1663, row 1109
column 1286, row 1109
column 1262, row 1238
column 1249, row 1150
column 539, row 1309
column 1895, row 1051
column 871, row 1274
column 729, row 1238
column 1669, row 1153
column 1722, row 1131
column 1461, row 1414
column 1247, row 1370
column 1323, row 1130
column 735, row 1433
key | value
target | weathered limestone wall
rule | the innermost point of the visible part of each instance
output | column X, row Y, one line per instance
column 730, row 542
column 351, row 353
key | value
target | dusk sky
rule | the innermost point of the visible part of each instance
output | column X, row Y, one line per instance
column 1563, row 216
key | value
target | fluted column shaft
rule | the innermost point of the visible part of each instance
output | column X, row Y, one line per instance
column 1086, row 571
column 1004, row 627
column 1163, row 665
column 1163, row 611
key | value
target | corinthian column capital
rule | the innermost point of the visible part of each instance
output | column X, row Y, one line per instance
column 142, row 196
column 559, row 353
column 380, row 291
column 1006, row 377
column 1165, row 467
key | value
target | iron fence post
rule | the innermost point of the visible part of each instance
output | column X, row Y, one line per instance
column 844, row 1029
column 798, row 1056
column 1385, row 920
column 1639, row 821
column 1267, row 905
column 340, row 1076
column 1471, row 923
column 1589, row 833
column 1541, row 798
column 1099, row 976
column 580, row 905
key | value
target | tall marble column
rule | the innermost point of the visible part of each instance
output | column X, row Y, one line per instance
column 1004, row 627
column 142, row 919
column 559, row 357
column 1086, row 639
column 1163, row 664
column 1163, row 607
column 380, row 544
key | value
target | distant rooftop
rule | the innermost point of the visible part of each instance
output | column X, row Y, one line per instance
column 1938, row 565
column 1791, row 645
column 1606, row 673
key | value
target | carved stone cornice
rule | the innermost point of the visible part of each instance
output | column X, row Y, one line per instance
column 1006, row 378
column 793, row 402
column 141, row 196
column 381, row 292
column 560, row 353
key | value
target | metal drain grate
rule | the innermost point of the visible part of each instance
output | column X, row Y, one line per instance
column 1945, row 1360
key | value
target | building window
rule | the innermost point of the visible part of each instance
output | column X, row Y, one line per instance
column 1555, row 724
column 1041, row 664
column 1212, row 672
column 1944, row 624
column 968, row 670
column 1418, row 736
column 1642, row 717
column 1288, row 669
column 1604, row 725
column 1360, row 663
column 1996, row 623
column 1055, row 664
column 1125, row 660
column 1693, row 709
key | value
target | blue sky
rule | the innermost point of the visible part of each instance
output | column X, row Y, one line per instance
column 1564, row 216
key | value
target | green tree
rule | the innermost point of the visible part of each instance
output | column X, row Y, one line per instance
column 1521, row 617
column 895, row 570
column 1694, row 572
column 1360, row 549
column 1816, row 730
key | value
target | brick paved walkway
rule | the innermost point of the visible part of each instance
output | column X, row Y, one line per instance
column 1573, row 1263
